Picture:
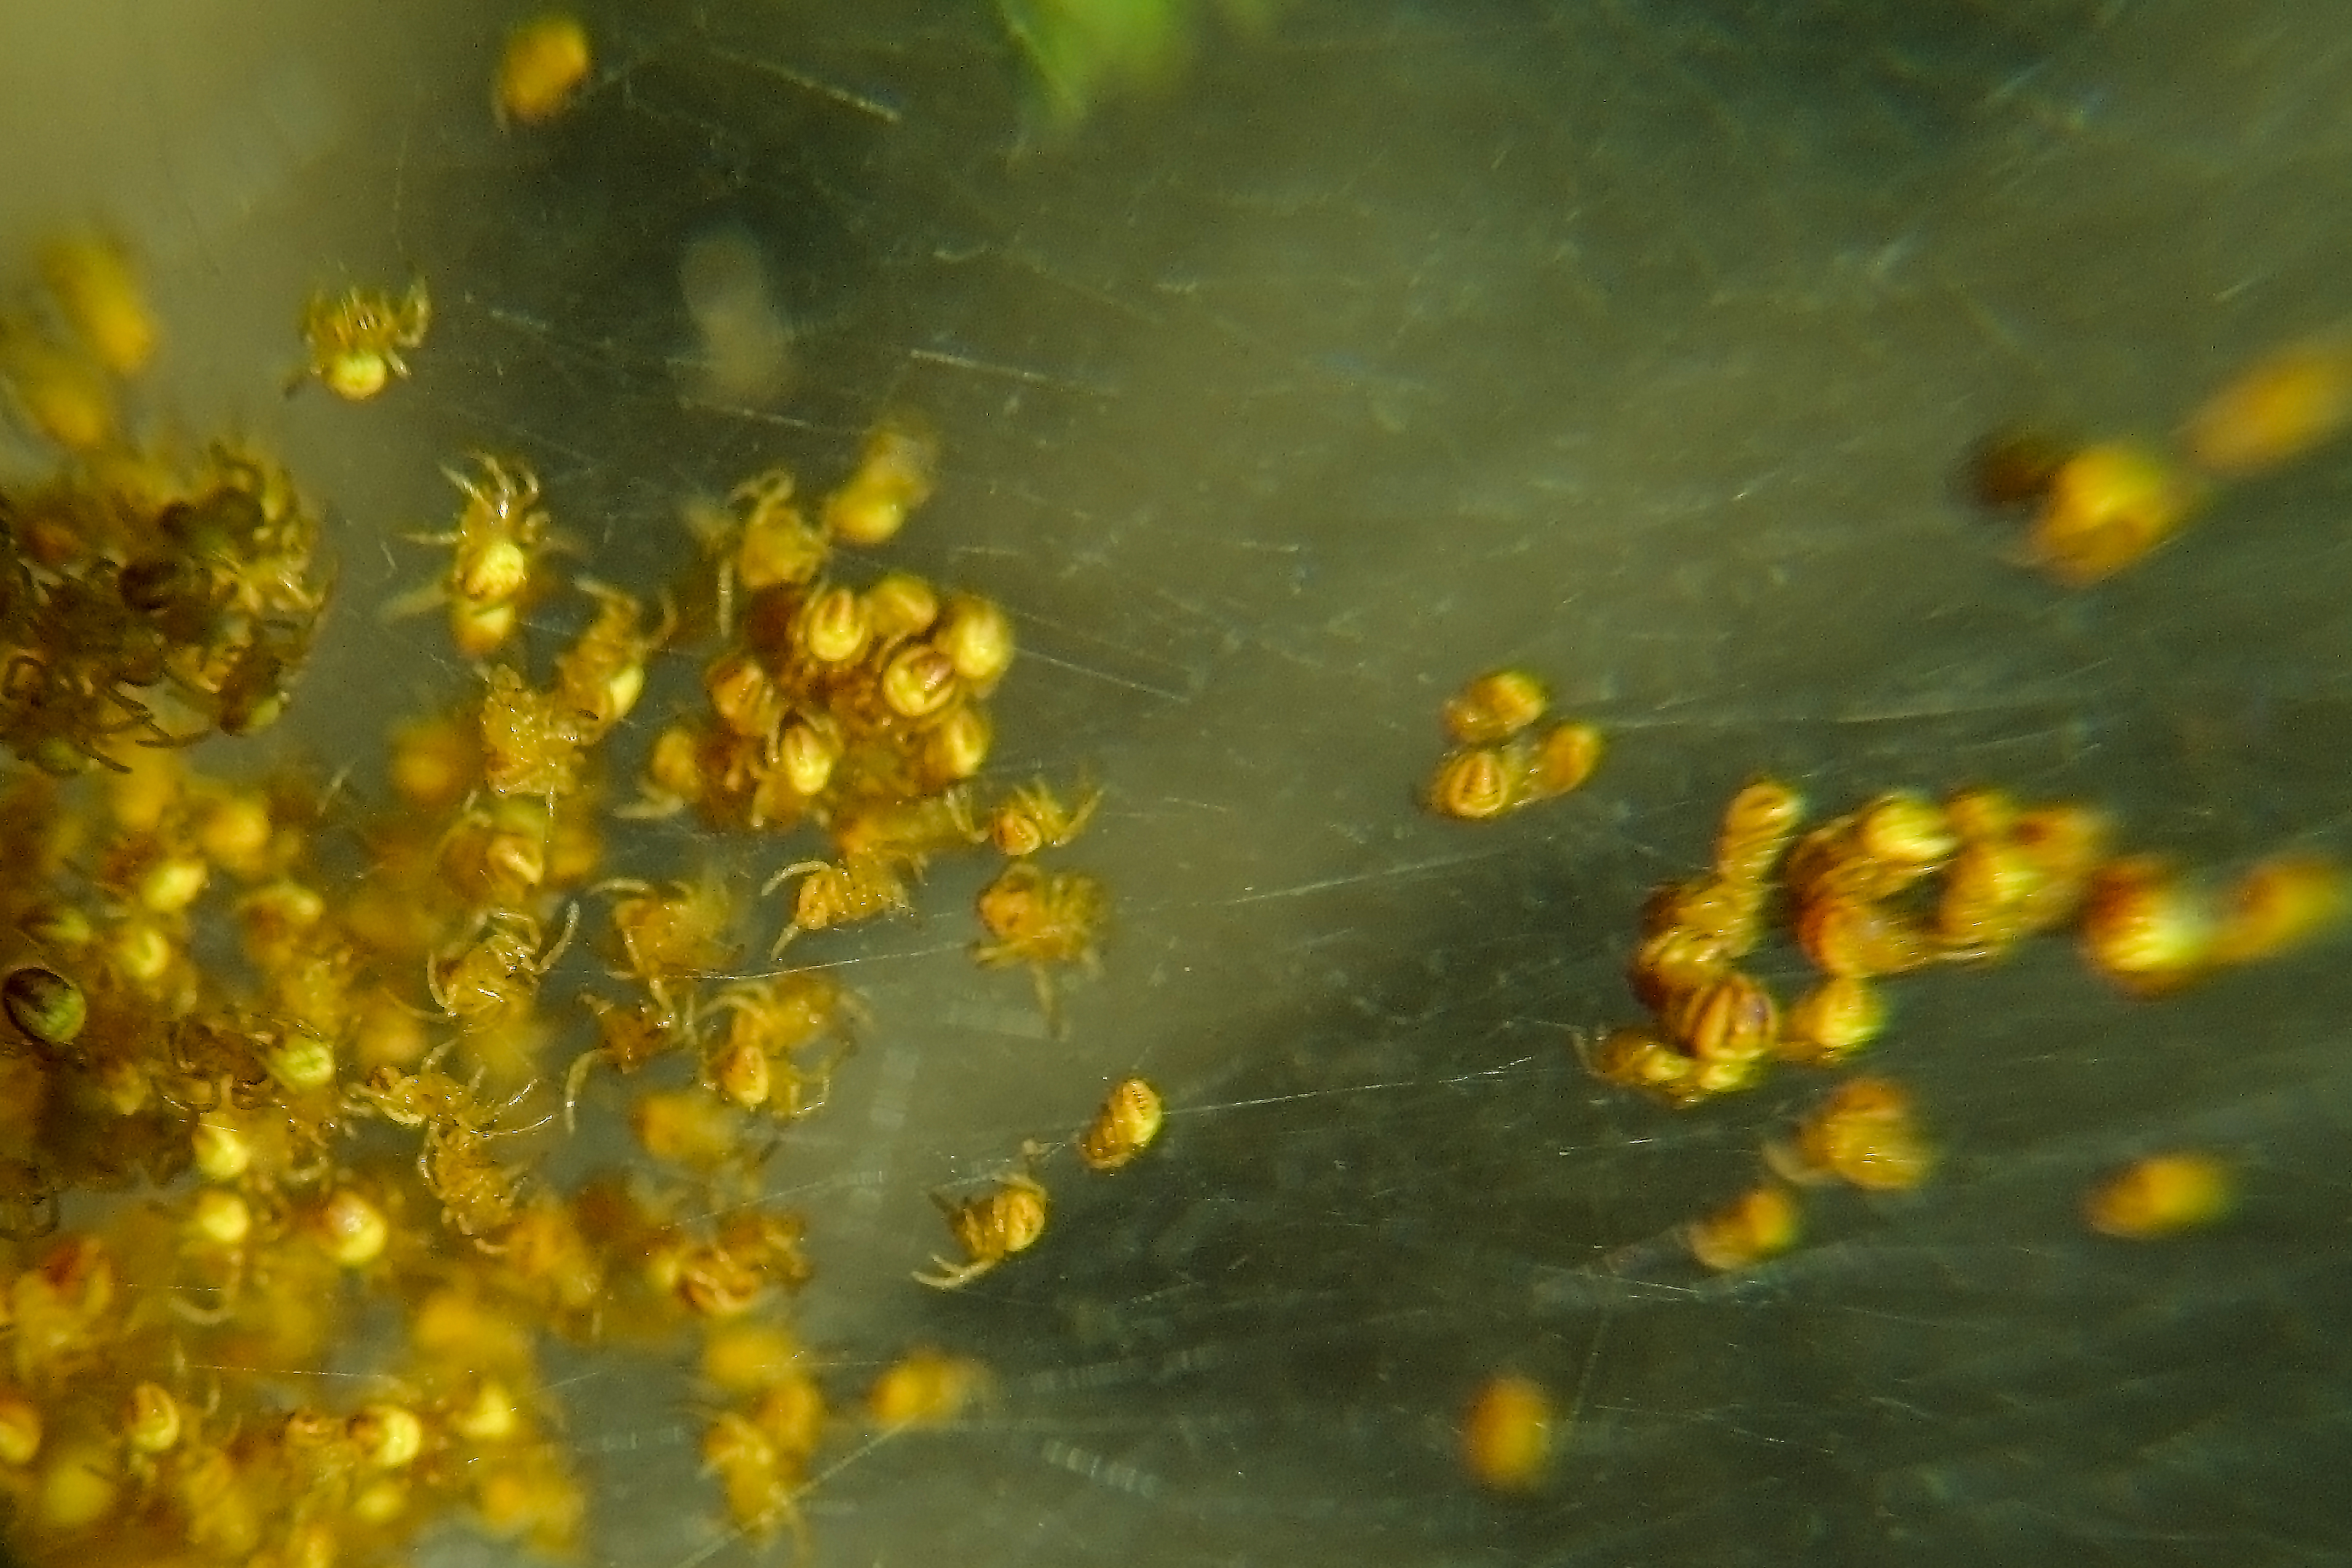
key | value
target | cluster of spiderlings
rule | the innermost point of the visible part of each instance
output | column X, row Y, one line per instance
column 1716, row 1025
column 69, row 351
column 477, row 877
column 2151, row 929
column 142, row 606
column 228, row 1092
column 760, row 1444
column 1902, row 883
column 1500, row 764
column 2100, row 508
column 1864, row 1134
column 864, row 711
column 1043, row 918
column 143, row 600
column 832, row 701
column 1906, row 882
column 517, row 840
column 859, row 708
column 319, row 1092
column 230, row 1087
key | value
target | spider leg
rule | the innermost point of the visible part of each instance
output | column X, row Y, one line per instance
column 952, row 1276
column 574, row 1080
column 796, row 869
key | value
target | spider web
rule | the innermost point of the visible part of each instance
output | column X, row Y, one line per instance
column 1632, row 342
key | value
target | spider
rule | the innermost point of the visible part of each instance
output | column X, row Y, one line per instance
column 1507, row 1434
column 603, row 674
column 1864, row 1134
column 1759, row 1223
column 2145, row 928
column 1032, row 819
column 923, row 1388
column 355, row 341
column 1039, row 918
column 2289, row 401
column 2108, row 505
column 477, row 1194
column 46, row 1006
column 895, row 475
column 499, row 537
column 1125, row 1126
column 977, row 637
column 1840, row 1016
column 2277, row 904
column 772, row 545
column 763, row 1477
column 2161, row 1195
column 532, row 741
column 907, row 831
column 499, row 971
column 990, row 1228
column 671, row 934
column 860, row 888
column 545, row 61
column 769, row 1022
column 629, row 1037
column 1494, row 707
column 91, row 278
column 1481, row 782
column 495, row 854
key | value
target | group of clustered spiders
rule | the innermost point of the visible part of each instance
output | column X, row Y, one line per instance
column 145, row 598
column 152, row 1400
column 1904, row 882
column 312, row 1085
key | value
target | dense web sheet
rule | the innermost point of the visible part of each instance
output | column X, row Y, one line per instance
column 1632, row 342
